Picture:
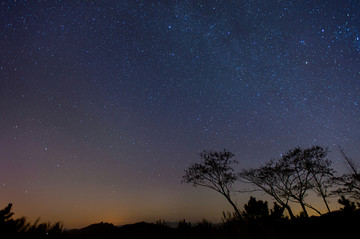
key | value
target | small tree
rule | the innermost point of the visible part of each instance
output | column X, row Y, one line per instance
column 256, row 209
column 6, row 213
column 214, row 172
column 277, row 212
column 348, row 206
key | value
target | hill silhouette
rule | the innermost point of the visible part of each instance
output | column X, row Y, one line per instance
column 94, row 231
column 337, row 224
column 108, row 230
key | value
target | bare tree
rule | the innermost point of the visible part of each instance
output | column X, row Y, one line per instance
column 269, row 180
column 321, row 171
column 214, row 172
column 291, row 166
column 350, row 182
column 291, row 177
column 306, row 169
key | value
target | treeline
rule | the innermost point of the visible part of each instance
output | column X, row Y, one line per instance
column 288, row 180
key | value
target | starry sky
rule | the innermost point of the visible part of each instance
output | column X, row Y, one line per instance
column 103, row 104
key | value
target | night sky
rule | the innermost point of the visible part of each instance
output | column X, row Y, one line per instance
column 103, row 104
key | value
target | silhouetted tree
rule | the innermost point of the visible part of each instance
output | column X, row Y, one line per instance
column 214, row 172
column 321, row 171
column 309, row 169
column 6, row 213
column 7, row 225
column 290, row 178
column 256, row 209
column 295, row 167
column 348, row 206
column 350, row 182
column 271, row 180
column 277, row 212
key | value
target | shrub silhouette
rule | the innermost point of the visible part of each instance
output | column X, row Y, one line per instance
column 348, row 206
column 256, row 209
column 20, row 228
column 277, row 213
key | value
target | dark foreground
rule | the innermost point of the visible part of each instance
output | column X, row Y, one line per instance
column 337, row 224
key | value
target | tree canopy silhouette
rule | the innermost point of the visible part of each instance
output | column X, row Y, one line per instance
column 268, row 179
column 291, row 177
column 214, row 172
column 256, row 209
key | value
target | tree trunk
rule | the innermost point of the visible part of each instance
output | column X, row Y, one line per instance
column 291, row 214
column 311, row 207
column 304, row 209
column 323, row 195
column 285, row 205
column 326, row 203
column 237, row 212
